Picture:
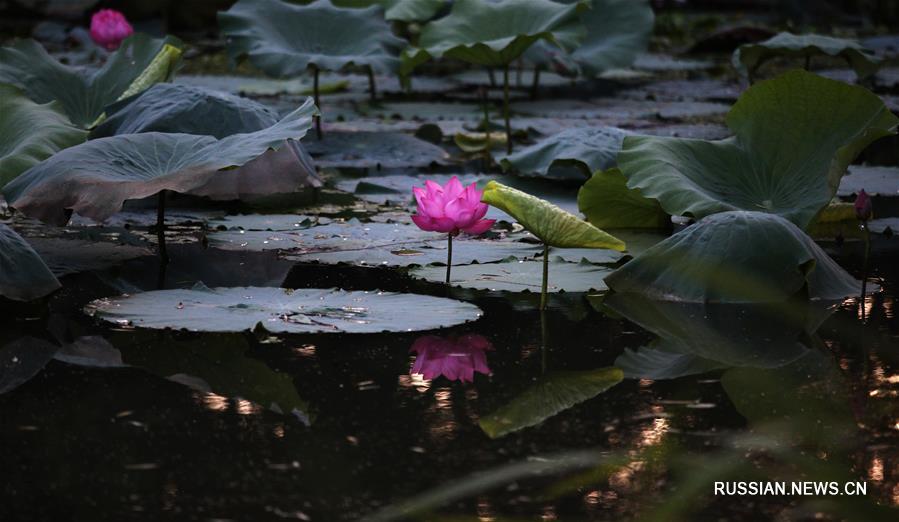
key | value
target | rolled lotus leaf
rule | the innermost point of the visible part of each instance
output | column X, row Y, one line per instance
column 284, row 39
column 31, row 132
column 551, row 224
column 735, row 257
column 794, row 137
column 83, row 93
column 496, row 33
column 23, row 274
column 607, row 202
column 749, row 57
column 95, row 178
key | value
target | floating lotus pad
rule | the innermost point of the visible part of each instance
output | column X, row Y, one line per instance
column 84, row 94
column 31, row 133
column 374, row 150
column 23, row 275
column 880, row 181
column 749, row 57
column 71, row 256
column 520, row 276
column 735, row 257
column 281, row 310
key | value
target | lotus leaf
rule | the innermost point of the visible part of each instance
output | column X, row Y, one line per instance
column 749, row 57
column 735, row 257
column 384, row 150
column 552, row 395
column 549, row 223
column 23, row 275
column 281, row 310
column 84, row 94
column 30, row 132
column 608, row 203
column 587, row 148
column 95, row 178
column 795, row 135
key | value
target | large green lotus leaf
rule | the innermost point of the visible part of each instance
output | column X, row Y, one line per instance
column 95, row 178
column 167, row 107
column 494, row 34
column 284, row 39
column 588, row 149
column 794, row 137
column 551, row 224
column 30, row 132
column 23, row 275
column 749, row 57
column 607, row 202
column 400, row 10
column 84, row 93
column 735, row 257
column 520, row 275
column 281, row 310
column 552, row 395
column 617, row 32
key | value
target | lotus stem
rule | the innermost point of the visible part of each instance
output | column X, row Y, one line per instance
column 491, row 76
column 543, row 341
column 486, row 117
column 318, row 118
column 867, row 236
column 545, row 277
column 808, row 62
column 519, row 69
column 506, row 109
column 371, row 83
column 536, row 84
column 160, row 228
column 449, row 256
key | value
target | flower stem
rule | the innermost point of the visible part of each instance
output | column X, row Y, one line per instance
column 867, row 234
column 449, row 256
column 545, row 277
column 318, row 119
column 506, row 109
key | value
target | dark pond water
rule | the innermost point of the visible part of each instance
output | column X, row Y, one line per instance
column 358, row 437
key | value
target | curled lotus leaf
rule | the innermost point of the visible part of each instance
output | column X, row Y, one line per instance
column 23, row 274
column 749, row 57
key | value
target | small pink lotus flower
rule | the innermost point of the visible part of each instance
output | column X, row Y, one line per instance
column 457, row 359
column 451, row 209
column 864, row 210
column 108, row 28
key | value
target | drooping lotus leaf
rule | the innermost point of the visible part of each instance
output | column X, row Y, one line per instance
column 411, row 10
column 281, row 310
column 608, row 203
column 496, row 33
column 83, row 93
column 95, row 178
column 551, row 224
column 168, row 107
column 659, row 361
column 749, row 57
column 552, row 395
column 794, row 137
column 284, row 39
column 617, row 32
column 23, row 275
column 30, row 132
column 587, row 148
column 520, row 275
column 735, row 257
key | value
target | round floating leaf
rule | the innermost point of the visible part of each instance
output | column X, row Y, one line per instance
column 587, row 148
column 23, row 275
column 281, row 310
column 95, row 178
column 551, row 224
column 496, row 33
column 794, row 137
column 284, row 39
column 608, row 203
column 735, row 257
column 552, row 395
column 386, row 150
column 167, row 107
column 749, row 57
column 84, row 94
column 517, row 275
column 30, row 133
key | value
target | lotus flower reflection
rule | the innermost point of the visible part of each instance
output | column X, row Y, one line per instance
column 451, row 209
column 108, row 28
column 457, row 358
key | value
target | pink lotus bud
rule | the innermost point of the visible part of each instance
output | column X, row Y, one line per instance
column 108, row 28
column 863, row 208
column 451, row 209
column 457, row 359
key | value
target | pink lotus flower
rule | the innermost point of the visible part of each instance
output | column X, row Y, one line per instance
column 108, row 28
column 457, row 359
column 864, row 210
column 451, row 209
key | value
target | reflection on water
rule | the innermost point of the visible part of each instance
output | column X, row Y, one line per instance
column 457, row 358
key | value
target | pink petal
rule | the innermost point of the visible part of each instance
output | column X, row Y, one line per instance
column 453, row 188
column 433, row 208
column 424, row 222
column 480, row 227
column 433, row 188
column 444, row 224
column 480, row 211
column 419, row 194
